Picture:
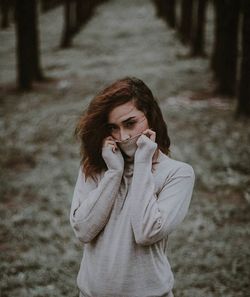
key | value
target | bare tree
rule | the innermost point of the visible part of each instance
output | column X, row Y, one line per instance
column 186, row 22
column 68, row 24
column 28, row 61
column 49, row 4
column 76, row 14
column 84, row 11
column 224, row 59
column 5, row 7
column 170, row 13
column 243, row 107
column 198, row 42
column 34, row 41
column 160, row 8
column 80, row 13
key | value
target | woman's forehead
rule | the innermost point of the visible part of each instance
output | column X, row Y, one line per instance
column 123, row 112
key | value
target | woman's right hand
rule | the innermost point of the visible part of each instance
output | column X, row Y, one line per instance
column 112, row 154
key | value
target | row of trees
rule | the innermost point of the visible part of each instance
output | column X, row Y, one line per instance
column 230, row 60
column 25, row 14
column 76, row 14
column 7, row 10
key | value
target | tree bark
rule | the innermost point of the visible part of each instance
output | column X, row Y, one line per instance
column 28, row 62
column 198, row 43
column 79, row 14
column 84, row 11
column 5, row 6
column 186, row 21
column 67, row 30
column 88, row 7
column 24, row 69
column 170, row 13
column 76, row 14
column 46, row 5
column 243, row 107
column 34, row 40
column 224, row 59
column 160, row 9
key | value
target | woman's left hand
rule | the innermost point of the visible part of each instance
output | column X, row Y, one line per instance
column 146, row 146
column 150, row 134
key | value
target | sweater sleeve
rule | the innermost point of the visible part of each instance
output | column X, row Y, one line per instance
column 154, row 217
column 92, row 203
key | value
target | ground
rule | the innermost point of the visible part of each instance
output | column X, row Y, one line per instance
column 40, row 257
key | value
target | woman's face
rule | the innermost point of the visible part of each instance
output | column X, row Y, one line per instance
column 126, row 121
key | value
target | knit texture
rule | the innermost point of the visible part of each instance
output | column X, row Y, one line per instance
column 124, row 220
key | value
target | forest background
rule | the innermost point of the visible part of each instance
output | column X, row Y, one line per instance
column 205, row 100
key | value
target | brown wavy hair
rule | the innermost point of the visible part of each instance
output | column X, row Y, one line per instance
column 92, row 127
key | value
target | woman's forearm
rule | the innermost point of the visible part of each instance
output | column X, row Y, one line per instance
column 154, row 217
column 91, row 207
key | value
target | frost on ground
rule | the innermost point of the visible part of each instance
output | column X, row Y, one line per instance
column 39, row 157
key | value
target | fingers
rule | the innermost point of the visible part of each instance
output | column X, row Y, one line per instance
column 109, row 142
column 150, row 134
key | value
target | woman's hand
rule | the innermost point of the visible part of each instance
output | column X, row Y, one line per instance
column 150, row 134
column 146, row 146
column 112, row 155
column 110, row 142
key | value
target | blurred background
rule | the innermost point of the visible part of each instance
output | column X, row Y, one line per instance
column 54, row 57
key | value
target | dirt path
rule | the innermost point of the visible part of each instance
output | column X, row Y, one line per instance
column 39, row 157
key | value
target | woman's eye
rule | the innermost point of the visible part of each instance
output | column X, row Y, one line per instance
column 130, row 124
column 112, row 128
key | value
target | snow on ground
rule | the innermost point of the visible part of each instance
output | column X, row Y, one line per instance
column 39, row 156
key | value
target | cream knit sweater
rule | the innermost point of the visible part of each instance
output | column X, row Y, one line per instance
column 124, row 219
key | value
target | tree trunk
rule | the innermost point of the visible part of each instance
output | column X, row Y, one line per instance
column 67, row 36
column 24, row 69
column 79, row 14
column 4, row 13
column 84, row 10
column 34, row 40
column 73, row 18
column 170, row 13
column 44, row 5
column 160, row 9
column 76, row 13
column 166, row 9
column 198, row 43
column 27, row 44
column 49, row 4
column 224, row 61
column 186, row 21
column 243, row 107
column 88, row 7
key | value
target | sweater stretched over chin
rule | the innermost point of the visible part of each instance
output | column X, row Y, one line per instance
column 124, row 220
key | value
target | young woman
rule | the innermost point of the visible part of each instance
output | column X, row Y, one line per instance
column 129, row 195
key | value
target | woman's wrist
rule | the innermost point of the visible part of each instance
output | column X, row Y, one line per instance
column 113, row 159
column 146, row 149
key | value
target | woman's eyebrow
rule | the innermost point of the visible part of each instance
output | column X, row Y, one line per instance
column 128, row 119
column 125, row 121
column 110, row 125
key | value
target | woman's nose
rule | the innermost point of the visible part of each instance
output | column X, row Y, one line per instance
column 124, row 135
